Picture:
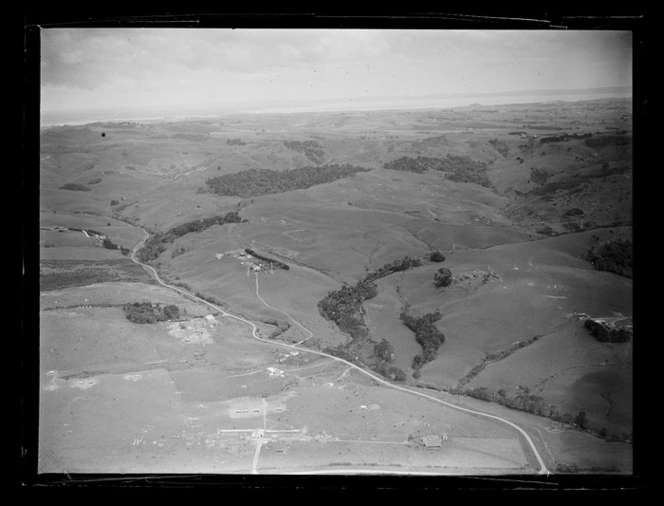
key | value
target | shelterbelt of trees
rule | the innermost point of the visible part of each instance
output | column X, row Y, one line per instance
column 565, row 137
column 255, row 182
column 271, row 261
column 460, row 169
column 158, row 243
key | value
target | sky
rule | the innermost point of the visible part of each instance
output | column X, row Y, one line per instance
column 123, row 68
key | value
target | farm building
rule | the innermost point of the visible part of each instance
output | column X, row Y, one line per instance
column 432, row 441
column 210, row 318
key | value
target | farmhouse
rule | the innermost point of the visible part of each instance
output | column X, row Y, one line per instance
column 210, row 319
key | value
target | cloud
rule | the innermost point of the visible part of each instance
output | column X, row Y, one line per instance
column 139, row 65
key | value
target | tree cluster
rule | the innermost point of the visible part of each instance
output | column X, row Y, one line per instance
column 255, row 182
column 389, row 371
column 75, row 187
column 384, row 350
column 539, row 176
column 311, row 149
column 612, row 256
column 426, row 334
column 605, row 334
column 443, row 277
column 235, row 142
column 461, row 169
column 396, row 266
column 565, row 137
column 436, row 256
column 146, row 312
column 158, row 243
column 344, row 307
column 573, row 212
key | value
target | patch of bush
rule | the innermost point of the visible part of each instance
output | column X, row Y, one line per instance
column 539, row 176
column 146, row 312
column 95, row 181
column 426, row 334
column 612, row 256
column 235, row 142
column 443, row 277
column 396, row 266
column 606, row 334
column 389, row 371
column 178, row 251
column 75, row 187
column 573, row 212
column 158, row 242
column 565, row 137
column 437, row 256
column 255, row 182
column 460, row 169
column 311, row 149
column 384, row 350
column 344, row 307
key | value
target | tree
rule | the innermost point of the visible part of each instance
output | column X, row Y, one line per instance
column 581, row 420
column 384, row 350
column 443, row 277
column 108, row 244
column 437, row 256
column 171, row 311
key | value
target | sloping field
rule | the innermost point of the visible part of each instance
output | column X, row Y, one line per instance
column 78, row 253
column 296, row 291
column 382, row 318
column 164, row 404
column 543, row 291
column 574, row 372
column 65, row 239
column 59, row 274
column 76, row 340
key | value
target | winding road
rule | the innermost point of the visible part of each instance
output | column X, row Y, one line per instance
column 254, row 333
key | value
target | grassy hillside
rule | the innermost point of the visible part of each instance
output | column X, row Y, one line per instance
column 514, row 196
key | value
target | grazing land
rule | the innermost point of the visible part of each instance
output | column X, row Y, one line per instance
column 398, row 291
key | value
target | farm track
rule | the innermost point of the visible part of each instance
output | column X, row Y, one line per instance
column 543, row 469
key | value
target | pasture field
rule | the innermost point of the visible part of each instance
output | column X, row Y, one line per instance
column 203, row 395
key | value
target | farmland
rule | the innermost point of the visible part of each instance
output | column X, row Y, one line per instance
column 266, row 217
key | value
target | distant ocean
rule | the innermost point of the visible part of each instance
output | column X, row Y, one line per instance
column 84, row 117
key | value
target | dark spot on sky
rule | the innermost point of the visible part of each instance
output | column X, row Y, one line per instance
column 103, row 134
